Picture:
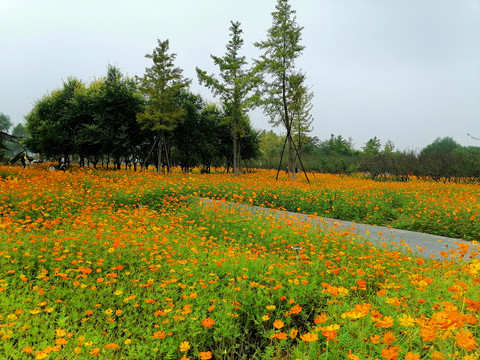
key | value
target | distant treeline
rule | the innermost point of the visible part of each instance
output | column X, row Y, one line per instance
column 98, row 124
column 442, row 160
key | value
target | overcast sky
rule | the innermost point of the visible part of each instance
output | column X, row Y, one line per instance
column 401, row 70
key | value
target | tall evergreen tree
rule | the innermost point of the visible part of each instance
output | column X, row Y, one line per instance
column 282, row 80
column 234, row 88
column 160, row 85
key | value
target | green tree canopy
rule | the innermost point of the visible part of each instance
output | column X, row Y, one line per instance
column 234, row 88
column 160, row 85
column 5, row 122
column 282, row 83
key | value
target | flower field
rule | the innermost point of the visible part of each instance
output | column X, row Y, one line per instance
column 123, row 265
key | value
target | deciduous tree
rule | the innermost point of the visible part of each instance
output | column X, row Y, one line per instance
column 282, row 79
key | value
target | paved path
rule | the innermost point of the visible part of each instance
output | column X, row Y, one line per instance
column 424, row 245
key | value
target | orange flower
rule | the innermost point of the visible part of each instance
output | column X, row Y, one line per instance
column 279, row 336
column 159, row 334
column 438, row 356
column 309, row 337
column 296, row 309
column 390, row 353
column 375, row 339
column 385, row 323
column 412, row 356
column 362, row 284
column 28, row 350
column 320, row 319
column 293, row 333
column 278, row 324
column 466, row 340
column 94, row 351
column 208, row 322
column 388, row 338
column 382, row 292
column 427, row 334
column 111, row 346
column 61, row 341
column 205, row 355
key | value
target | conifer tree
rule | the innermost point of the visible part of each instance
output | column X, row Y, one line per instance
column 234, row 88
column 160, row 85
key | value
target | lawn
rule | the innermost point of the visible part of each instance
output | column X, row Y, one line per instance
column 123, row 265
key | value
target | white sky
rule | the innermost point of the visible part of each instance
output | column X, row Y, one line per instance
column 404, row 70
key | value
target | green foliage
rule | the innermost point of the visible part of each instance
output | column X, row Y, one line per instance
column 372, row 147
column 5, row 122
column 284, row 96
column 160, row 85
column 235, row 89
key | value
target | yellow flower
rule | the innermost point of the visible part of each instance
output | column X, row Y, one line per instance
column 406, row 320
column 128, row 341
column 60, row 332
column 184, row 346
column 108, row 312
column 41, row 355
column 308, row 337
column 77, row 350
column 118, row 292
column 271, row 307
column 265, row 317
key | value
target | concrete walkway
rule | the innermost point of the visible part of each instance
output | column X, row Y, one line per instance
column 424, row 245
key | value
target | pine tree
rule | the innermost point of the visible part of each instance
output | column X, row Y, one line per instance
column 234, row 88
column 160, row 85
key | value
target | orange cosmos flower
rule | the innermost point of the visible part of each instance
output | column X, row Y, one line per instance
column 375, row 339
column 208, row 322
column 279, row 336
column 438, row 356
column 385, row 323
column 309, row 337
column 28, row 350
column 466, row 340
column 412, row 356
column 390, row 353
column 320, row 319
column 205, row 355
column 427, row 334
column 362, row 284
column 278, row 324
column 388, row 338
column 296, row 309
column 293, row 333
column 61, row 341
column 159, row 334
column 94, row 351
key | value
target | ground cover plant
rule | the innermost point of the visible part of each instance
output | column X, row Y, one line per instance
column 122, row 265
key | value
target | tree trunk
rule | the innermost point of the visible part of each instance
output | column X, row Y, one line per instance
column 236, row 149
column 159, row 159
column 291, row 157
